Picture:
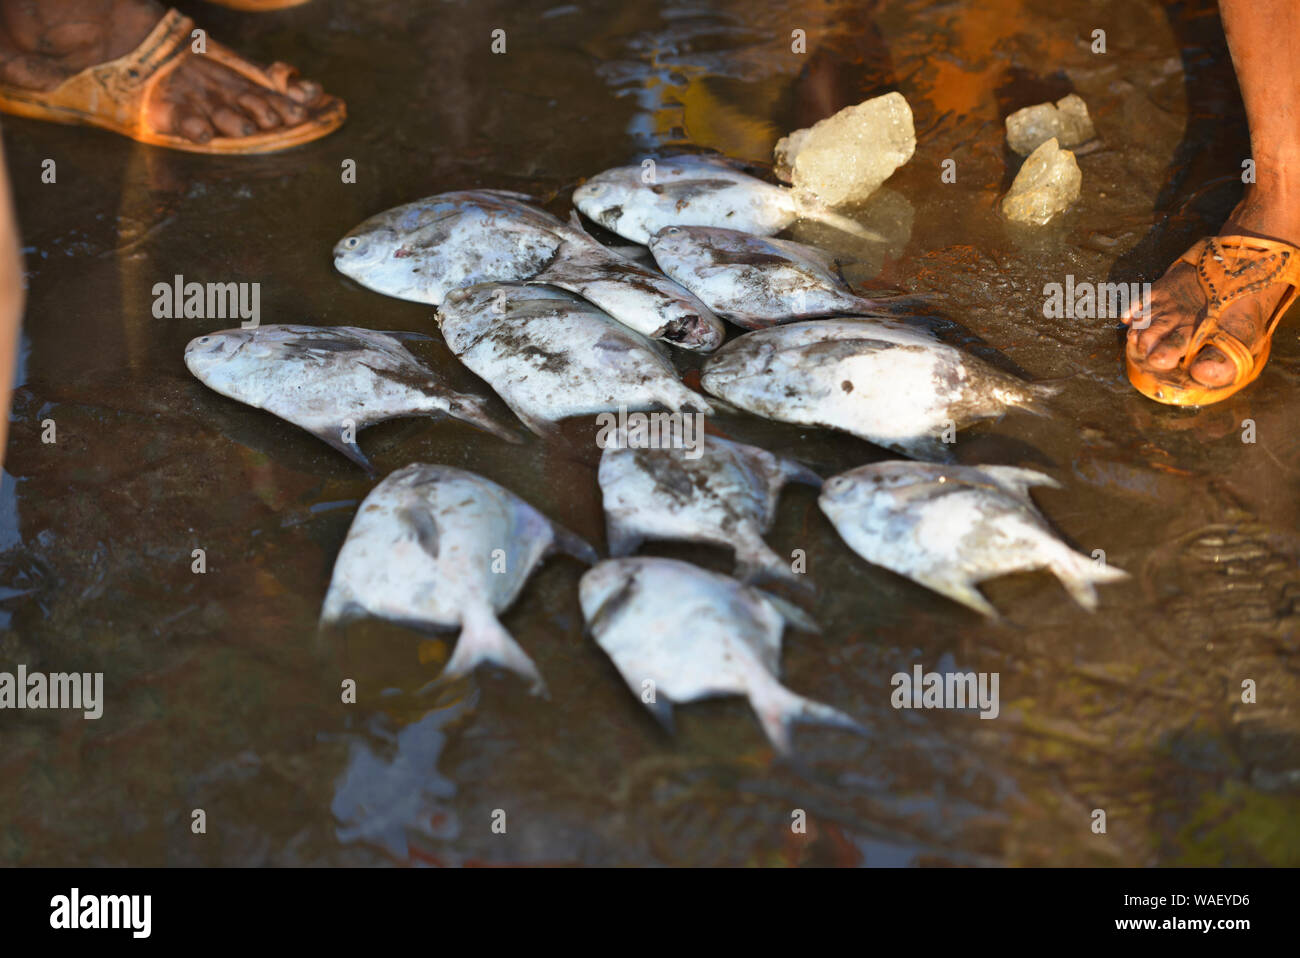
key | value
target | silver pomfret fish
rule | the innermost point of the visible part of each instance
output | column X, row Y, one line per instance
column 433, row 547
column 726, row 497
column 687, row 634
column 421, row 251
column 886, row 382
column 551, row 355
column 325, row 378
column 755, row 281
column 636, row 203
column 951, row 527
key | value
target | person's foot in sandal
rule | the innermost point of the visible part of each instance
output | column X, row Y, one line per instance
column 1179, row 301
column 1214, row 312
column 129, row 66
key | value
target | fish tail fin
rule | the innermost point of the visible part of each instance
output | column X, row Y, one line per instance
column 862, row 306
column 888, row 304
column 1082, row 574
column 473, row 410
column 779, row 710
column 483, row 640
column 814, row 210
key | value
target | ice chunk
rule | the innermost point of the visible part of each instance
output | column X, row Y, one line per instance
column 1047, row 184
column 1067, row 120
column 844, row 158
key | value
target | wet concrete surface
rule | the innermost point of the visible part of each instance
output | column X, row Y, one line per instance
column 222, row 696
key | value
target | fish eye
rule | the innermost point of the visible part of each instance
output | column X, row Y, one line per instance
column 673, row 229
column 204, row 339
column 351, row 242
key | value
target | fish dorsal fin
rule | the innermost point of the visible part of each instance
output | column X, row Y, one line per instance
column 1017, row 481
column 802, row 251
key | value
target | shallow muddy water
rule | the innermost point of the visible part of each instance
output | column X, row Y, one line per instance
column 220, row 695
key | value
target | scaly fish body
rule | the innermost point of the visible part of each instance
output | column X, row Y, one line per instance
column 424, row 250
column 695, row 191
column 951, row 527
column 421, row 251
column 689, row 634
column 755, row 281
column 433, row 547
column 883, row 381
column 325, row 378
column 725, row 497
column 551, row 355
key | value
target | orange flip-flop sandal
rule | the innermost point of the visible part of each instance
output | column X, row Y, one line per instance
column 115, row 95
column 1228, row 268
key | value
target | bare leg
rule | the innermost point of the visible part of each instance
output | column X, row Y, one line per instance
column 1264, row 38
column 11, row 299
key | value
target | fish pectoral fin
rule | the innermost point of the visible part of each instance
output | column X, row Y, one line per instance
column 812, row 210
column 688, row 189
column 484, row 640
column 424, row 527
column 572, row 544
column 611, row 607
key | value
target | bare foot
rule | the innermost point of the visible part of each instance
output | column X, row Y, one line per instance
column 1178, row 304
column 43, row 43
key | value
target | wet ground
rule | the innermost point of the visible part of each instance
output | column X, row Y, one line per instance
column 220, row 695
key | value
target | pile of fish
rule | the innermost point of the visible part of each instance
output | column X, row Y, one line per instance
column 559, row 325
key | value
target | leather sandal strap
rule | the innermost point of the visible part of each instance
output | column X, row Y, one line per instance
column 1229, row 268
column 124, row 83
